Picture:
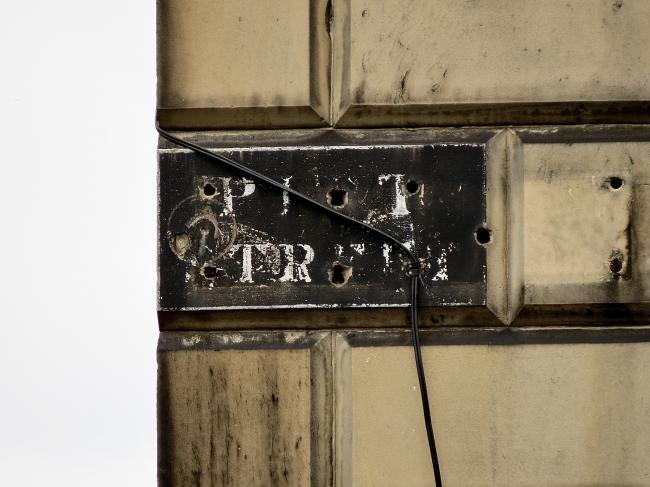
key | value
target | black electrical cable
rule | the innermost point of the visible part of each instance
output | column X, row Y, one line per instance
column 414, row 270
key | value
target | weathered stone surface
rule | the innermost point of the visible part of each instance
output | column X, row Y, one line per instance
column 586, row 222
column 242, row 63
column 428, row 62
column 570, row 415
column 244, row 409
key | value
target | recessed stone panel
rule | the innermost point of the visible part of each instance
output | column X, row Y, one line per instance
column 429, row 62
column 586, row 222
column 553, row 408
column 242, row 63
column 244, row 409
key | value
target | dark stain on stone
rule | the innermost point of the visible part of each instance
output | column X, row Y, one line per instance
column 360, row 92
column 196, row 471
column 220, row 421
column 401, row 94
column 618, row 4
column 628, row 250
column 255, row 99
column 285, row 470
column 403, row 82
column 437, row 319
column 196, row 477
column 213, row 432
column 278, row 100
column 273, row 436
column 329, row 16
column 165, row 419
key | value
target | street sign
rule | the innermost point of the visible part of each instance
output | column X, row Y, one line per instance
column 227, row 242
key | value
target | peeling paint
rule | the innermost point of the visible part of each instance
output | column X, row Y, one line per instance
column 191, row 341
column 441, row 275
column 386, row 249
column 399, row 205
column 285, row 196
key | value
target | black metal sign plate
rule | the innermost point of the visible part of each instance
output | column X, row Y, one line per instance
column 227, row 243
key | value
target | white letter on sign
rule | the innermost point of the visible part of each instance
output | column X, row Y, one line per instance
column 400, row 200
column 296, row 272
column 249, row 188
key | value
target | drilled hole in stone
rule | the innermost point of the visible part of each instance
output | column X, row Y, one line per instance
column 483, row 235
column 615, row 182
column 209, row 190
column 339, row 274
column 412, row 186
column 616, row 264
column 210, row 271
column 337, row 197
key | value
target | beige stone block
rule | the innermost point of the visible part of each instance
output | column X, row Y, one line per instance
column 567, row 209
column 244, row 409
column 528, row 415
column 586, row 220
column 243, row 63
column 427, row 62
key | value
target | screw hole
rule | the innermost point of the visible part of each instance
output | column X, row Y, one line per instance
column 615, row 183
column 483, row 235
column 338, row 198
column 616, row 262
column 209, row 190
column 210, row 271
column 412, row 186
column 339, row 274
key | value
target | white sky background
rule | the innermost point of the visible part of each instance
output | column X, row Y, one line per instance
column 77, row 243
